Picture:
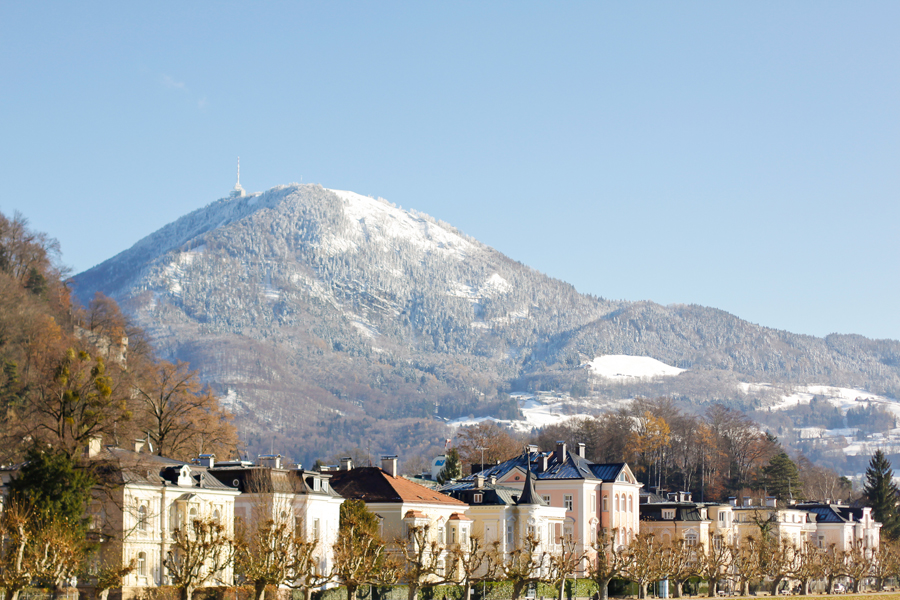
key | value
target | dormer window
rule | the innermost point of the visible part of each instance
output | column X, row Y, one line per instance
column 668, row 514
column 478, row 498
column 317, row 484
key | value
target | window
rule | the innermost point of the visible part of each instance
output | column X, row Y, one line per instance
column 478, row 498
column 617, row 506
column 605, row 503
column 690, row 537
column 593, row 535
column 509, row 534
column 668, row 513
column 142, row 517
column 316, row 529
column 569, row 534
column 593, row 503
column 440, row 535
column 464, row 535
column 142, row 564
column 217, row 516
column 630, row 503
column 452, row 535
column 317, row 484
column 440, row 567
column 546, row 500
column 567, row 500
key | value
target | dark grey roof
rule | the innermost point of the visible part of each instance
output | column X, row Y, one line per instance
column 491, row 494
column 250, row 479
column 574, row 467
column 832, row 513
column 121, row 466
column 684, row 511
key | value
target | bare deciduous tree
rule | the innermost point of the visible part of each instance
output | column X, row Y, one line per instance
column 609, row 562
column 524, row 565
column 202, row 551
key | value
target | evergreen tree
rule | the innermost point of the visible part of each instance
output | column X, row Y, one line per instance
column 880, row 493
column 52, row 486
column 782, row 478
column 452, row 467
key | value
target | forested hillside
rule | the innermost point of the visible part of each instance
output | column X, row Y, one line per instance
column 329, row 320
column 72, row 374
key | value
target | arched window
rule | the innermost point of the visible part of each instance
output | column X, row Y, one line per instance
column 617, row 503
column 142, row 564
column 630, row 504
column 142, row 517
column 192, row 514
column 216, row 516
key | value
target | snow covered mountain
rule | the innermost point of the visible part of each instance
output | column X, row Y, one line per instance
column 330, row 320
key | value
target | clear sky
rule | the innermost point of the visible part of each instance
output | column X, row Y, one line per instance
column 744, row 156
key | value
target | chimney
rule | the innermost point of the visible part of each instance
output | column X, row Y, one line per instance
column 581, row 449
column 543, row 462
column 208, row 461
column 346, row 463
column 138, row 445
column 479, row 481
column 748, row 501
column 560, row 452
column 732, row 500
column 95, row 444
column 272, row 461
column 389, row 465
column 492, row 480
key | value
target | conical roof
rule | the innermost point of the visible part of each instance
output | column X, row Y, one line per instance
column 529, row 495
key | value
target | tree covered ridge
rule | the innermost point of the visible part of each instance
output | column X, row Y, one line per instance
column 72, row 374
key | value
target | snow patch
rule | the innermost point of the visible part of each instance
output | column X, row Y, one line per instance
column 624, row 367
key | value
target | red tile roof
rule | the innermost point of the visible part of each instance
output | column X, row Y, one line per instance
column 371, row 484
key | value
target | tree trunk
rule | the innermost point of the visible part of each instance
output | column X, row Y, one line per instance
column 187, row 592
column 642, row 590
column 517, row 590
column 775, row 585
column 468, row 594
column 678, row 591
column 804, row 587
column 351, row 592
column 857, row 584
column 604, row 589
column 412, row 592
column 307, row 593
column 259, row 590
column 712, row 587
column 745, row 588
column 103, row 595
column 562, row 590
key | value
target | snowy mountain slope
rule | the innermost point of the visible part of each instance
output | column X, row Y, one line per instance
column 325, row 315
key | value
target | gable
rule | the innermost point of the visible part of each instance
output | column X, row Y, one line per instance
column 515, row 475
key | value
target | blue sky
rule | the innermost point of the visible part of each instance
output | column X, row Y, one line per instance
column 744, row 156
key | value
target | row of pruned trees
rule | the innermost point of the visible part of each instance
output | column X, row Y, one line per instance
column 766, row 561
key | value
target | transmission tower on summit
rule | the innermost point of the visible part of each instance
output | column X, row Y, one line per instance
column 238, row 191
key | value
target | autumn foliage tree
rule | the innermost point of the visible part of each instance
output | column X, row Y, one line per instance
column 181, row 417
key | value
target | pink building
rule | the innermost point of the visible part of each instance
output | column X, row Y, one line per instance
column 593, row 495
